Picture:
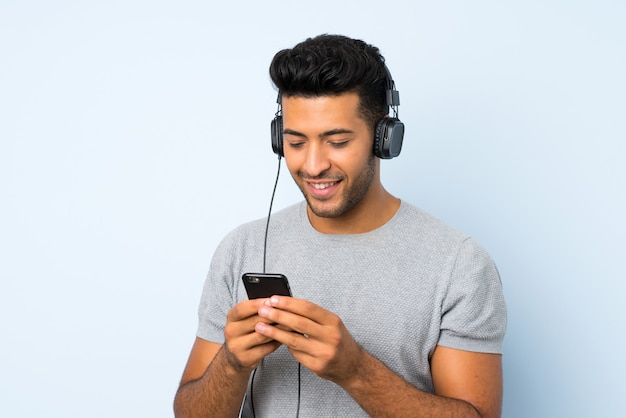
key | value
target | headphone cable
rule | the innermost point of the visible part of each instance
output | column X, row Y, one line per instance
column 299, row 388
column 267, row 225
column 264, row 260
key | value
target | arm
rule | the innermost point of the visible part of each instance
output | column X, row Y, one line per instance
column 209, row 384
column 215, row 378
column 466, row 384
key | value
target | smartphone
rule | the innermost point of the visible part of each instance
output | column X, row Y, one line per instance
column 264, row 285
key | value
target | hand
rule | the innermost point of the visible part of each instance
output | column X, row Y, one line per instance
column 245, row 348
column 320, row 342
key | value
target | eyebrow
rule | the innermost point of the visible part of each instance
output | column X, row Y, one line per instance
column 337, row 131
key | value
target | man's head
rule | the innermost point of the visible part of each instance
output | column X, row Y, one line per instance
column 329, row 65
column 333, row 93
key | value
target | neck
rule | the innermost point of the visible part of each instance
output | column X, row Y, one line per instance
column 375, row 210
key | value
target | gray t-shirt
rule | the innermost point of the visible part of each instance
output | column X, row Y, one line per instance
column 401, row 290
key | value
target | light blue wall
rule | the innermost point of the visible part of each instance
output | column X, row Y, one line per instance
column 135, row 134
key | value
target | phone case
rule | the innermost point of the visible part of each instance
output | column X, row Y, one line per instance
column 264, row 285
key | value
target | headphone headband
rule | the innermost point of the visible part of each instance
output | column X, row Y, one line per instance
column 392, row 95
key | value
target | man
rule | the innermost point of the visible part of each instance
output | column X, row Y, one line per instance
column 394, row 314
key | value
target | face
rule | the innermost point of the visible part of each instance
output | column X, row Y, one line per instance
column 328, row 150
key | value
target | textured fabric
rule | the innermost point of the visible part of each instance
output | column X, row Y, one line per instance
column 401, row 290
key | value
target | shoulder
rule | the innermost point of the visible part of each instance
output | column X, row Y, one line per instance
column 425, row 227
column 243, row 246
column 251, row 231
column 430, row 236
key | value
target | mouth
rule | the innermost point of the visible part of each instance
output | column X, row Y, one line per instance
column 323, row 189
column 323, row 186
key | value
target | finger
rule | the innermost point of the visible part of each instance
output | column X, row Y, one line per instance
column 293, row 340
column 287, row 321
column 241, row 319
column 244, row 309
column 300, row 307
column 251, row 357
column 291, row 321
column 245, row 350
column 243, row 336
column 243, row 328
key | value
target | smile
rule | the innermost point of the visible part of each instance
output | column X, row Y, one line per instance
column 322, row 186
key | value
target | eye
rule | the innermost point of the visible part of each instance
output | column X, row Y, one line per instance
column 339, row 144
column 295, row 144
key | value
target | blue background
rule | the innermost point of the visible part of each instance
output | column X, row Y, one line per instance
column 135, row 134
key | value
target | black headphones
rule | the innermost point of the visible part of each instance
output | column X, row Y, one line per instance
column 388, row 134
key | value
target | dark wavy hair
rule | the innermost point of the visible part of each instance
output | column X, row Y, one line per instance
column 330, row 65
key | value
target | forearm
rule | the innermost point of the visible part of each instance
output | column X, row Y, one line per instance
column 382, row 393
column 219, row 392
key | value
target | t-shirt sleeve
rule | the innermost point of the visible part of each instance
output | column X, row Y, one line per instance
column 474, row 311
column 218, row 294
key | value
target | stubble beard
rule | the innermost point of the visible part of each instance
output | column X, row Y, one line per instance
column 351, row 196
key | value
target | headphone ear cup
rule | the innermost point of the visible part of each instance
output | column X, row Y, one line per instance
column 388, row 138
column 277, row 135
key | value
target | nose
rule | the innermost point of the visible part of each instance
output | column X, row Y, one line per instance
column 316, row 160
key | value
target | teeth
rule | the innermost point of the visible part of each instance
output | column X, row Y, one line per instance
column 322, row 186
